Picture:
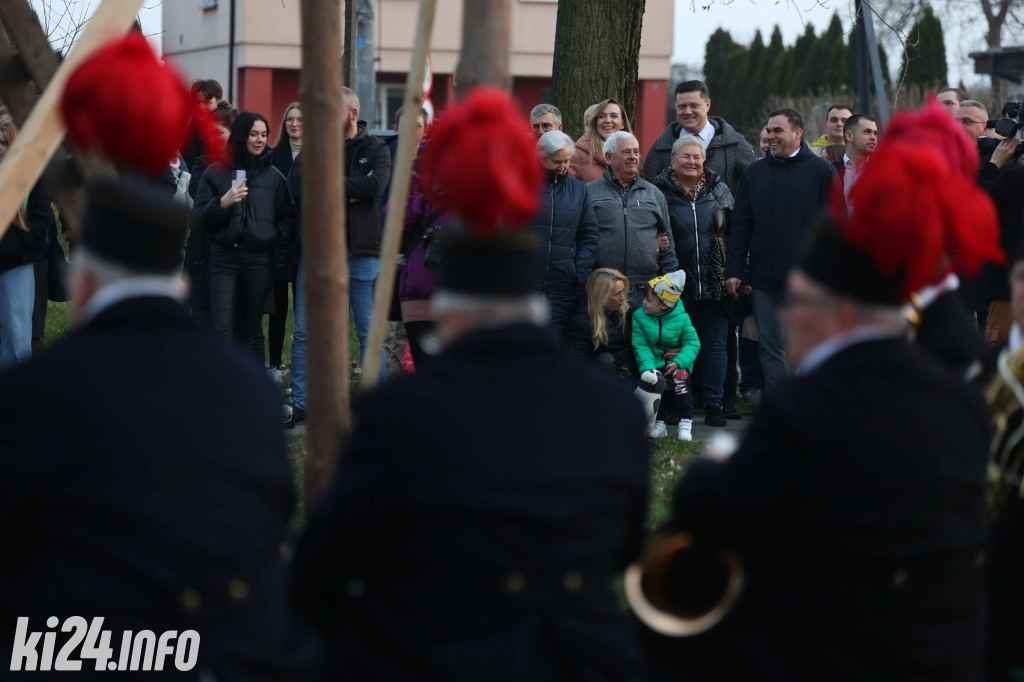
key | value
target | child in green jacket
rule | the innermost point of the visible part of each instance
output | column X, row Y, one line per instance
column 664, row 340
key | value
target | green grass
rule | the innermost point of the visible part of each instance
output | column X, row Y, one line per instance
column 669, row 460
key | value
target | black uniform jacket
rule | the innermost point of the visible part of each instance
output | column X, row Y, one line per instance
column 856, row 501
column 143, row 478
column 478, row 518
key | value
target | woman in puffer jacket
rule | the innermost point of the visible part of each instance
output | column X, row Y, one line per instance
column 567, row 228
column 20, row 247
column 248, row 219
column 698, row 205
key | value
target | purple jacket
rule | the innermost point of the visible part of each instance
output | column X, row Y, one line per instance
column 417, row 281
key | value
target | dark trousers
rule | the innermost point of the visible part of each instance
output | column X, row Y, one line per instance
column 711, row 321
column 675, row 406
column 750, row 365
column 276, row 323
column 239, row 282
column 415, row 331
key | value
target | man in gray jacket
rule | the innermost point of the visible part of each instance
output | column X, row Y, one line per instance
column 728, row 151
column 632, row 218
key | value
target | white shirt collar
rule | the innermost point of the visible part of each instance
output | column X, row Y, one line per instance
column 706, row 134
column 817, row 355
column 1015, row 337
column 169, row 286
column 931, row 292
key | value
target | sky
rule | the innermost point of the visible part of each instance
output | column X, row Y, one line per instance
column 694, row 23
column 742, row 18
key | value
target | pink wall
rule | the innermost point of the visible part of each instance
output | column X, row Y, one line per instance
column 650, row 113
column 255, row 88
column 285, row 91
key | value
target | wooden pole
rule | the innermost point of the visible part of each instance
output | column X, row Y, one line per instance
column 324, row 261
column 401, row 173
column 44, row 128
column 485, row 45
column 348, row 57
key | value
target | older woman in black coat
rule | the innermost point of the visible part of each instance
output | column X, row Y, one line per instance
column 699, row 202
column 567, row 229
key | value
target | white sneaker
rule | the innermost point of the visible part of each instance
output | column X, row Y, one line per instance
column 659, row 430
column 684, row 429
column 275, row 375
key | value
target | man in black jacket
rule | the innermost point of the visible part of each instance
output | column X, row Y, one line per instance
column 856, row 499
column 443, row 553
column 158, row 499
column 367, row 170
column 777, row 198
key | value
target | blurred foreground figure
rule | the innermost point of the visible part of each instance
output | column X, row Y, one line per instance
column 469, row 539
column 855, row 503
column 143, row 474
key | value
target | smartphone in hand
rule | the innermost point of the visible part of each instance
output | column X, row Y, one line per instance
column 239, row 177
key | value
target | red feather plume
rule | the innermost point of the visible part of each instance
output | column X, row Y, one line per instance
column 480, row 163
column 125, row 103
column 916, row 201
column 913, row 206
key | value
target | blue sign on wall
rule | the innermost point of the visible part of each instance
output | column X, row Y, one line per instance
column 361, row 43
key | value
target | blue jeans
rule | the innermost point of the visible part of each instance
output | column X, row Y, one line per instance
column 711, row 321
column 17, row 299
column 362, row 271
column 770, row 338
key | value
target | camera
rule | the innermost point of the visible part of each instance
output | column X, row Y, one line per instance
column 432, row 256
column 1004, row 127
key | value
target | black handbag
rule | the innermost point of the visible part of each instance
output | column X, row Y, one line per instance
column 57, row 276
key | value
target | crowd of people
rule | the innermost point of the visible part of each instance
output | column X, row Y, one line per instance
column 561, row 283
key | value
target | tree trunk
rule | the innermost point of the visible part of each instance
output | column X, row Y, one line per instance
column 485, row 45
column 597, row 56
column 325, row 268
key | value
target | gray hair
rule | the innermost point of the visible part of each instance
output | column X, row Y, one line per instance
column 611, row 145
column 588, row 114
column 975, row 103
column 689, row 140
column 490, row 311
column 542, row 109
column 553, row 141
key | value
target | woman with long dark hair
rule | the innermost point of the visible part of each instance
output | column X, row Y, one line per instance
column 287, row 146
column 246, row 206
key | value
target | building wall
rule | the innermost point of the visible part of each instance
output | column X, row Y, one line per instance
column 267, row 53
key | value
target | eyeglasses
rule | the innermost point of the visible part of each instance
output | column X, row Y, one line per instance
column 542, row 126
column 791, row 300
column 292, row 119
column 969, row 122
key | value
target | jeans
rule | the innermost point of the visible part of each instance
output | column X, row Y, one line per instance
column 362, row 271
column 770, row 337
column 711, row 321
column 361, row 303
column 298, row 367
column 17, row 298
column 239, row 283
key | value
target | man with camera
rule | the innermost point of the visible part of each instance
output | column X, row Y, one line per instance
column 1001, row 175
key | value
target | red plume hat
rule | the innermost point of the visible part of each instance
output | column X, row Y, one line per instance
column 917, row 215
column 480, row 166
column 137, row 111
